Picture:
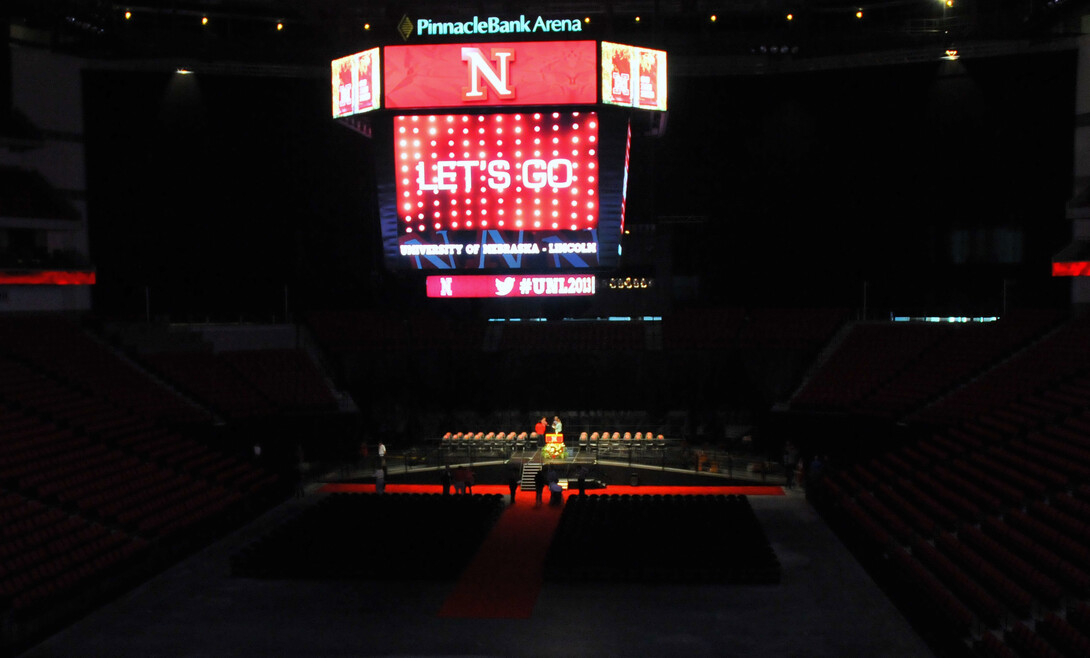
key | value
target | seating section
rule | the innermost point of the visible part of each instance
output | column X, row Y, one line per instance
column 680, row 539
column 870, row 356
column 891, row 370
column 213, row 381
column 1050, row 373
column 352, row 332
column 746, row 329
column 26, row 193
column 58, row 349
column 989, row 515
column 574, row 336
column 288, row 378
column 95, row 482
column 47, row 554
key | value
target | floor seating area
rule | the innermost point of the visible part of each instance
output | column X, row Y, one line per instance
column 378, row 537
column 680, row 539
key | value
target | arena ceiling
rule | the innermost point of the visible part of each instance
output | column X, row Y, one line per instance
column 308, row 32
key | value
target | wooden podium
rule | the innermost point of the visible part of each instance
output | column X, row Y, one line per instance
column 554, row 438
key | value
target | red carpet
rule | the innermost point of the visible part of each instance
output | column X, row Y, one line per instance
column 504, row 578
column 337, row 487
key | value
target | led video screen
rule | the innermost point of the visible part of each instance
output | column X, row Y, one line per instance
column 459, row 75
column 356, row 82
column 633, row 76
column 531, row 190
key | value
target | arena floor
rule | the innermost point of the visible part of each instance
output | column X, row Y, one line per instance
column 826, row 605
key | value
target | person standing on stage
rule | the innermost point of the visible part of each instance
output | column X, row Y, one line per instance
column 558, row 427
column 541, row 427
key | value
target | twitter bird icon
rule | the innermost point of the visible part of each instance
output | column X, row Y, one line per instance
column 505, row 286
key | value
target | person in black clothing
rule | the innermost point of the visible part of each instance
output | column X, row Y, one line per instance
column 582, row 480
column 556, row 493
column 539, row 485
column 445, row 479
column 514, row 471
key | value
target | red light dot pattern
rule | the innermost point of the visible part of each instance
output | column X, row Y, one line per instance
column 505, row 172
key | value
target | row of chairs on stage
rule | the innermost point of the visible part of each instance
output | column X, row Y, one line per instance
column 600, row 442
column 619, row 442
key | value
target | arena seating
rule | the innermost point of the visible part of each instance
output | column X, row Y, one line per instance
column 210, row 379
column 891, row 370
column 97, row 475
column 990, row 511
column 702, row 329
column 352, row 332
column 59, row 349
column 575, row 336
column 1041, row 370
column 286, row 377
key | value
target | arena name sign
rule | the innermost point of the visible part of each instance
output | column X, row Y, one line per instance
column 495, row 25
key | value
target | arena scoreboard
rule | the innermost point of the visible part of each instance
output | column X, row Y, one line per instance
column 501, row 156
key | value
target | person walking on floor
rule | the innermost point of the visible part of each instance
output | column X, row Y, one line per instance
column 539, row 486
column 514, row 472
column 445, row 480
column 380, row 478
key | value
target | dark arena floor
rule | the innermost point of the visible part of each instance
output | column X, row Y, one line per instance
column 823, row 605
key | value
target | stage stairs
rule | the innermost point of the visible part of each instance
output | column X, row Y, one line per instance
column 529, row 470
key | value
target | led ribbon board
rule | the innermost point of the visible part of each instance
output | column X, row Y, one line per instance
column 511, row 286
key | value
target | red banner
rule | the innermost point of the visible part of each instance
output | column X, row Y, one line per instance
column 1073, row 268
column 511, row 285
column 491, row 74
column 48, row 278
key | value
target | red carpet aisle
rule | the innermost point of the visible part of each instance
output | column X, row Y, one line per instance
column 504, row 578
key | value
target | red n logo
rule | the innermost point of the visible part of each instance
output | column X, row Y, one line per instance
column 481, row 70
